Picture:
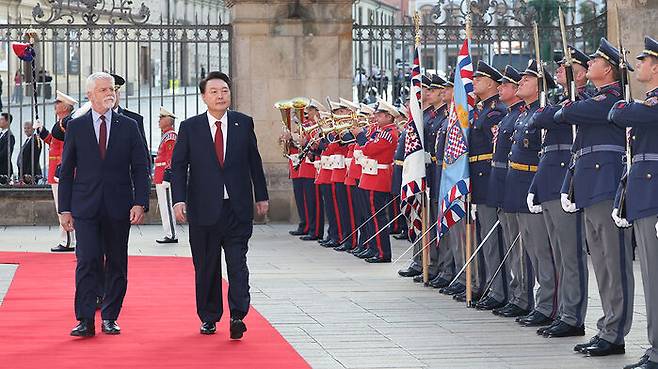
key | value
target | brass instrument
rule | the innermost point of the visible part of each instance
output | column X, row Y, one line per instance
column 299, row 105
column 285, row 108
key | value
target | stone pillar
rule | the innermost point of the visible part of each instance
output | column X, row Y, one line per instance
column 283, row 49
column 638, row 19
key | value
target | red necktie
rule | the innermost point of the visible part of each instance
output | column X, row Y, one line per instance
column 102, row 137
column 219, row 143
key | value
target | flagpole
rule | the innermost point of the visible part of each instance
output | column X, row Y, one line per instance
column 469, row 221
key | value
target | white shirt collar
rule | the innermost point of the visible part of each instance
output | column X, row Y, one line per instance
column 212, row 119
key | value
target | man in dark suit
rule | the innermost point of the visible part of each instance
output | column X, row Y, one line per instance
column 7, row 142
column 216, row 174
column 118, row 82
column 108, row 193
column 28, row 159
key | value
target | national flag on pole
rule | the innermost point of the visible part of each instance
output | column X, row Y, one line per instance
column 413, row 168
column 455, row 181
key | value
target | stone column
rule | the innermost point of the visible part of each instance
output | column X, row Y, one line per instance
column 638, row 19
column 283, row 49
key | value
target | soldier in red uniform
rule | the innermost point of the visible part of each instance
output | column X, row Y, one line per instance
column 161, row 177
column 63, row 107
column 376, row 178
column 313, row 205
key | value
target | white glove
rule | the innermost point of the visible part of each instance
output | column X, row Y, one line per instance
column 567, row 205
column 38, row 124
column 474, row 211
column 656, row 229
column 535, row 209
column 620, row 222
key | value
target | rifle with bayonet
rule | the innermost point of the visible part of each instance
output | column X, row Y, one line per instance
column 626, row 91
column 571, row 87
column 541, row 81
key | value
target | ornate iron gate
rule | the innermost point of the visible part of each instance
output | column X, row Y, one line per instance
column 501, row 34
column 161, row 63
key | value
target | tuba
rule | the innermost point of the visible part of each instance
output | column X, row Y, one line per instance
column 285, row 108
column 299, row 105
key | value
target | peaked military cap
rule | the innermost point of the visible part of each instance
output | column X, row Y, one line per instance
column 317, row 105
column 366, row 109
column 510, row 75
column 166, row 113
column 577, row 57
column 384, row 106
column 532, row 71
column 650, row 48
column 425, row 81
column 118, row 80
column 485, row 70
column 66, row 99
column 609, row 53
column 348, row 104
column 437, row 81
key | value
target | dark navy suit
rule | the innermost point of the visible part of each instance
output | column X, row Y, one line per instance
column 100, row 193
column 198, row 179
column 140, row 123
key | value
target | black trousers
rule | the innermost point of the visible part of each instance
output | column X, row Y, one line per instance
column 300, row 202
column 101, row 240
column 314, row 207
column 207, row 242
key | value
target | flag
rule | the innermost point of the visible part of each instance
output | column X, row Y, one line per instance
column 455, row 182
column 413, row 167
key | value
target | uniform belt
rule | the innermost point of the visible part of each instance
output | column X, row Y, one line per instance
column 597, row 148
column 645, row 157
column 498, row 164
column 434, row 159
column 481, row 157
column 523, row 167
column 398, row 162
column 54, row 157
column 557, row 147
column 160, row 164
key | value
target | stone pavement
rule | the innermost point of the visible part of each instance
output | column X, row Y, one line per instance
column 339, row 312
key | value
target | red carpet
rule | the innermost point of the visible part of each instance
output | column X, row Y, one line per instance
column 159, row 325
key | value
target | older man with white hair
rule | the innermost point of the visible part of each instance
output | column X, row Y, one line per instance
column 107, row 194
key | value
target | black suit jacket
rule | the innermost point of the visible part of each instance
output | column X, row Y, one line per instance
column 198, row 179
column 7, row 142
column 140, row 124
column 116, row 183
column 26, row 161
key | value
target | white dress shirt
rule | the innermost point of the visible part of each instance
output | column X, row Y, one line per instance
column 213, row 130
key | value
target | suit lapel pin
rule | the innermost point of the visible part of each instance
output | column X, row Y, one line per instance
column 235, row 124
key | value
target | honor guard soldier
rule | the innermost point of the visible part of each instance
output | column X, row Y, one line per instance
column 518, row 288
column 565, row 230
column 522, row 166
column 29, row 169
column 488, row 113
column 297, row 188
column 376, row 177
column 598, row 168
column 451, row 240
column 118, row 82
column 399, row 228
column 307, row 174
column 641, row 200
column 162, row 175
column 64, row 105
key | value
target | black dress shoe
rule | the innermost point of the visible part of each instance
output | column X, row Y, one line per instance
column 439, row 282
column 167, row 240
column 503, row 309
column 324, row 240
column 649, row 365
column 367, row 254
column 452, row 290
column 409, row 272
column 513, row 312
column 541, row 330
column 297, row 232
column 644, row 359
column 377, row 259
column 604, row 348
column 562, row 329
column 332, row 244
column 110, row 327
column 419, row 278
column 344, row 247
column 62, row 248
column 237, row 329
column 356, row 250
column 581, row 346
column 85, row 328
column 536, row 319
column 489, row 303
column 208, row 328
column 461, row 297
column 309, row 238
column 401, row 236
